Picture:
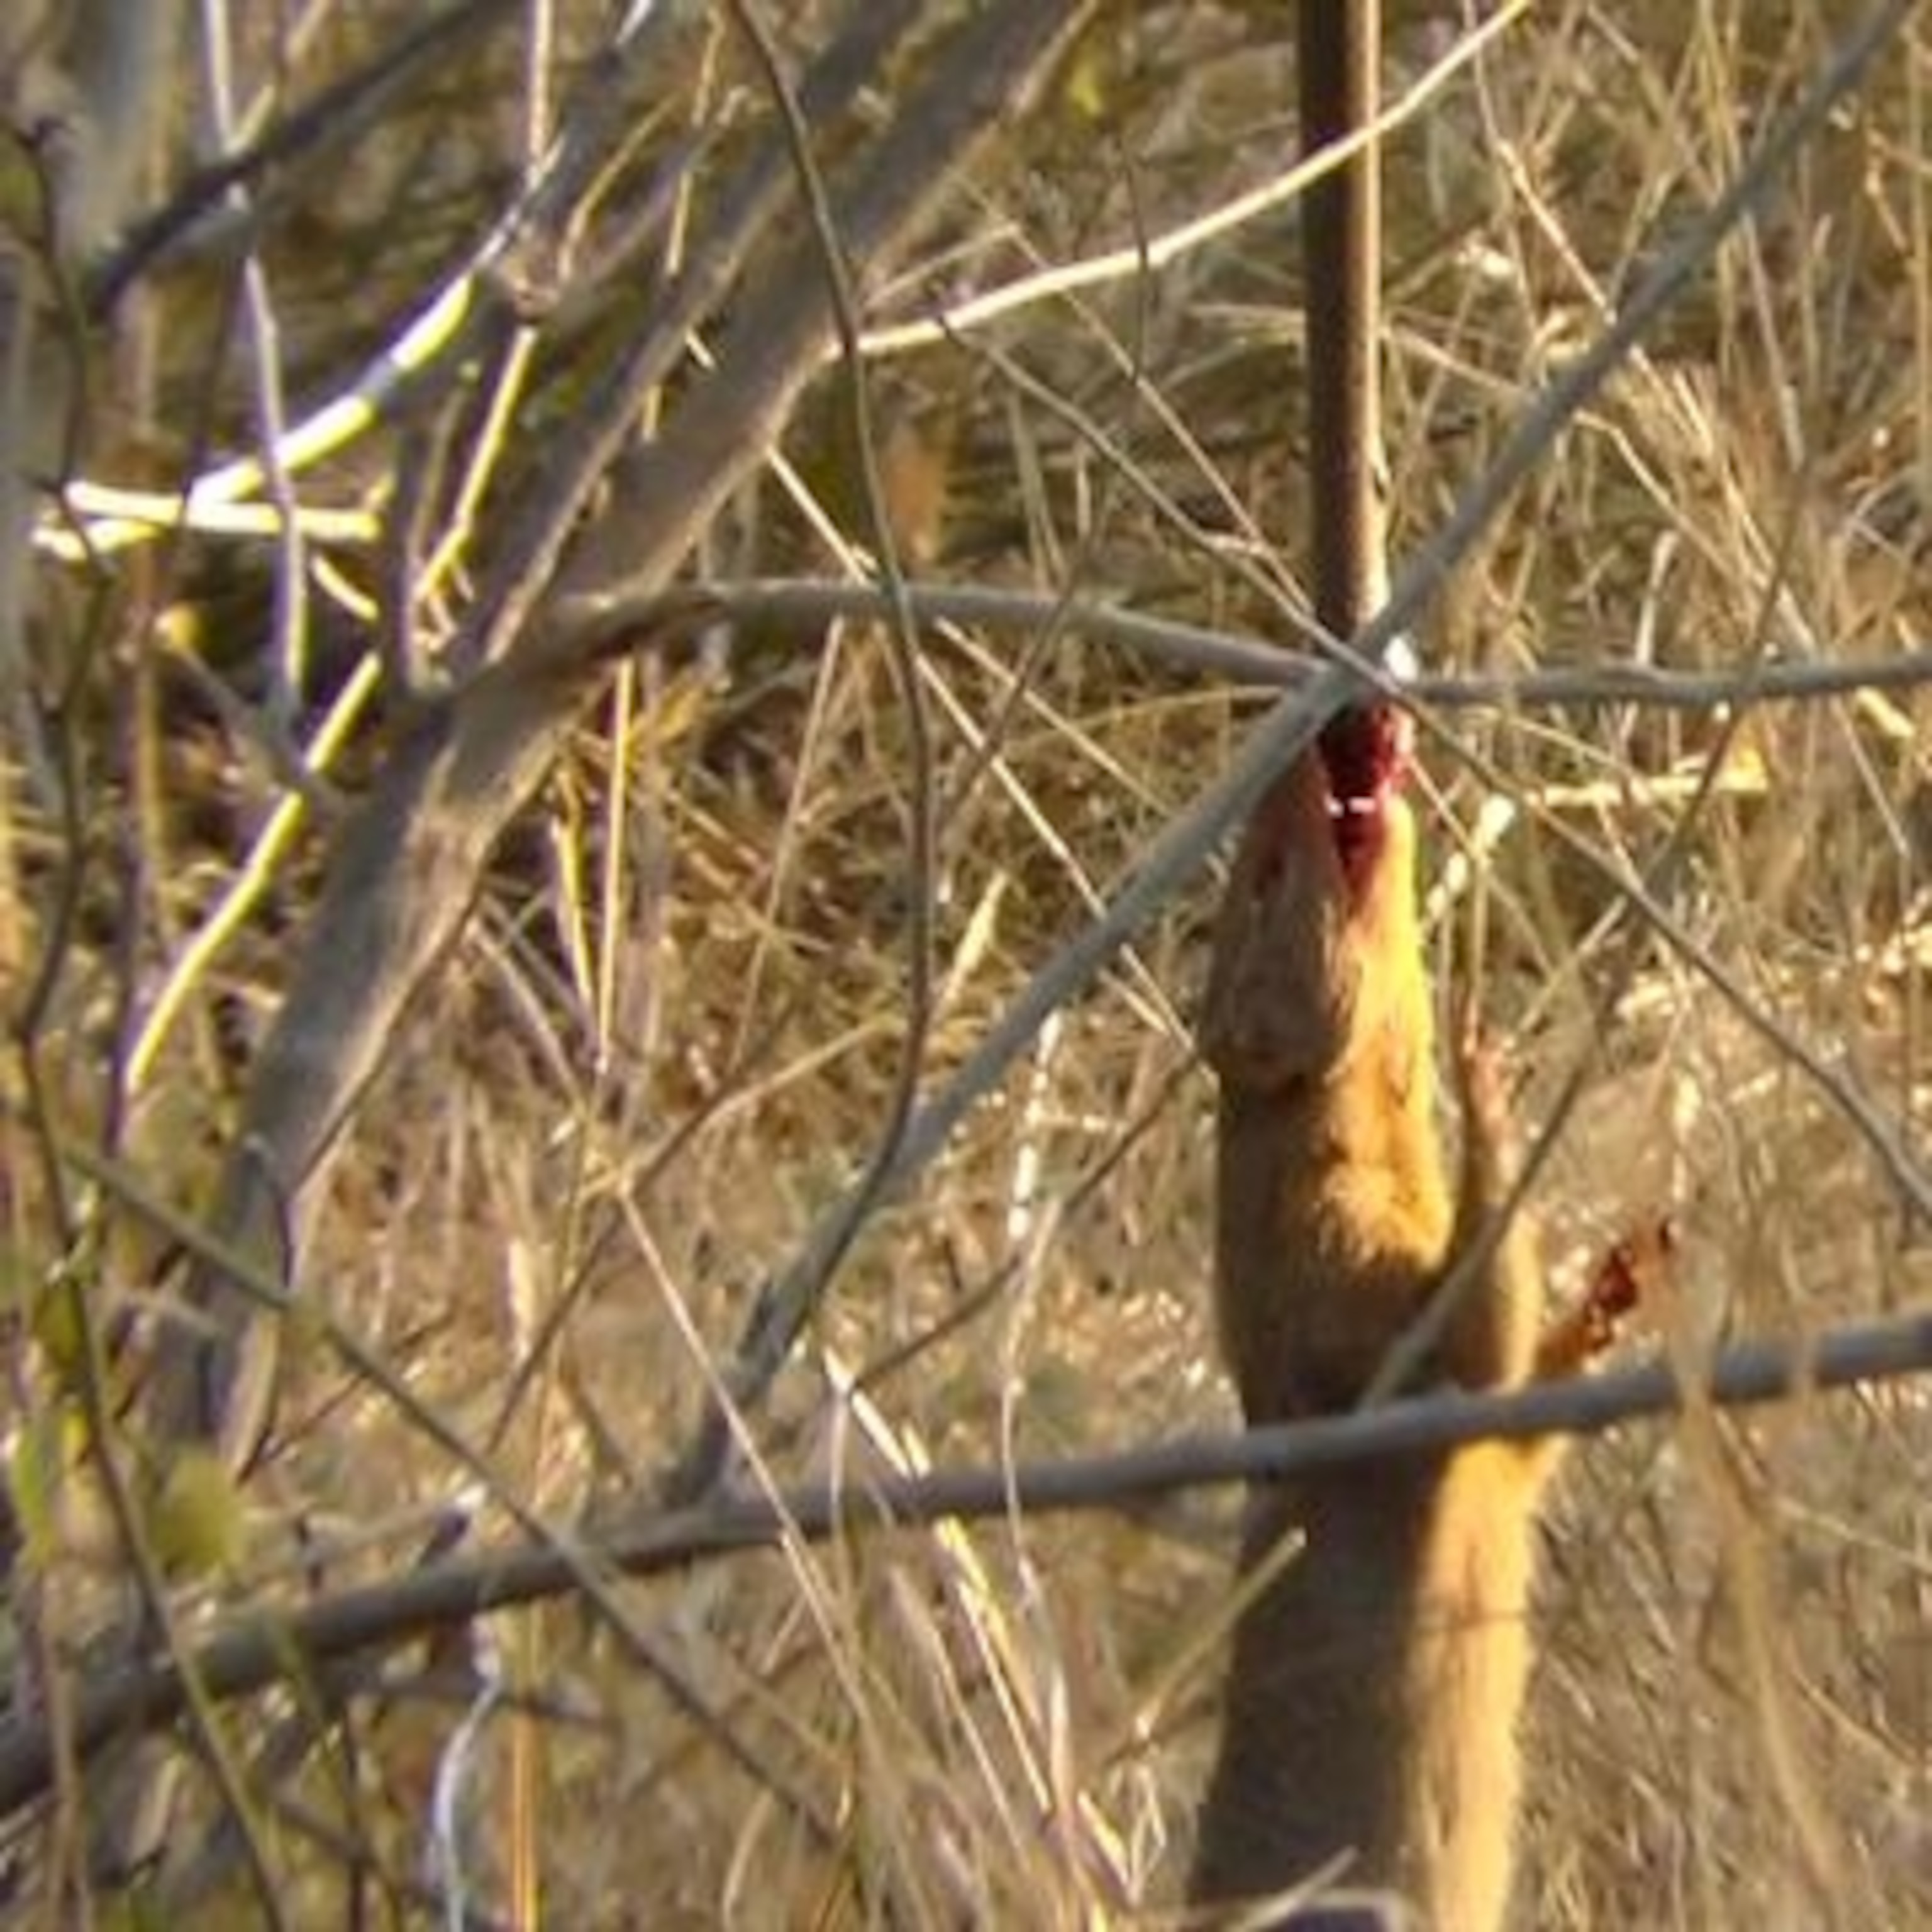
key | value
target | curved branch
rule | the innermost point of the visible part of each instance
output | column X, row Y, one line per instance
column 583, row 629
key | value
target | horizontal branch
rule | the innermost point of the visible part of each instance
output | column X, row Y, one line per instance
column 588, row 627
column 264, row 1650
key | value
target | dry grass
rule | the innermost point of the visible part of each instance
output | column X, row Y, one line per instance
column 670, row 1033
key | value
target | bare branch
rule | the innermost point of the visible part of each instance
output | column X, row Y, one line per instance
column 334, row 115
column 405, row 867
column 249, row 1658
column 902, row 639
column 1183, row 848
column 1157, row 252
column 590, row 626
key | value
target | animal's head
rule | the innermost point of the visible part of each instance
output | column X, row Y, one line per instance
column 1319, row 926
column 1367, row 753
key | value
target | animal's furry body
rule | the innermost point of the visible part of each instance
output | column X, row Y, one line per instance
column 1372, row 1698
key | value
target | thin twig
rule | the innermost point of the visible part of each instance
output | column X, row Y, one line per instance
column 288, row 655
column 474, row 304
column 405, row 868
column 901, row 636
column 332, row 116
column 1153, row 252
column 372, row 1370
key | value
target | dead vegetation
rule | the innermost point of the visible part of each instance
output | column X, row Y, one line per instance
column 600, row 1115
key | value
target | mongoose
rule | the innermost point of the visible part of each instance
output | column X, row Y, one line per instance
column 1372, row 1700
column 1370, row 1709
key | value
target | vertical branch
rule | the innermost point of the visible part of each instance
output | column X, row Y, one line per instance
column 1318, row 969
column 1338, row 41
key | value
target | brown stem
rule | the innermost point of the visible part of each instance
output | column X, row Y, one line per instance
column 1341, row 228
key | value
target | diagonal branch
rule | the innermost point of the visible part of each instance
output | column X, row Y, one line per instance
column 406, row 866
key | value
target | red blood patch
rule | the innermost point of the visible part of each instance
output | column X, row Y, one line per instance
column 1366, row 751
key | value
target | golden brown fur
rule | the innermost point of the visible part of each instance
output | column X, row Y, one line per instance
column 1372, row 1697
